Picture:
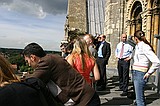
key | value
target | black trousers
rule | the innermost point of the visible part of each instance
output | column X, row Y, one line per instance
column 95, row 101
column 123, row 71
column 101, row 62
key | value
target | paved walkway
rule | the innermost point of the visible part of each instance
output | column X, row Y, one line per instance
column 111, row 97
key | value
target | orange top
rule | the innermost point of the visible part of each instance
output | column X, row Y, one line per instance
column 89, row 64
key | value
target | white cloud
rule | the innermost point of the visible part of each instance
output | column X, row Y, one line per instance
column 26, row 21
column 17, row 36
column 25, row 7
column 48, row 6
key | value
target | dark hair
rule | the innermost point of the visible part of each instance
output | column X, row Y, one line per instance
column 130, row 41
column 104, row 36
column 35, row 49
column 141, row 36
column 64, row 44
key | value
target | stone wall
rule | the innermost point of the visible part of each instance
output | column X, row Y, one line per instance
column 114, row 26
column 77, row 15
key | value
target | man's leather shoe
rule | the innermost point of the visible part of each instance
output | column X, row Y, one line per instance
column 124, row 94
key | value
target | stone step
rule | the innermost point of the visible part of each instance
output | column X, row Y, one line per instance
column 116, row 101
column 114, row 98
column 111, row 97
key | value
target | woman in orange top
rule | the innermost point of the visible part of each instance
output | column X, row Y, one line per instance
column 82, row 60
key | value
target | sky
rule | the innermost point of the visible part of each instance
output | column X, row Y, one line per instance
column 26, row 21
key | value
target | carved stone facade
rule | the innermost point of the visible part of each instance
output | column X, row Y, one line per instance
column 144, row 15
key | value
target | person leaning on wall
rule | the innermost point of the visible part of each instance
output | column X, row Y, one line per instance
column 73, row 88
column 14, row 92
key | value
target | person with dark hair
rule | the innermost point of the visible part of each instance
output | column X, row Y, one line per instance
column 130, row 41
column 14, row 92
column 63, row 47
column 72, row 87
column 104, row 52
column 124, row 53
column 66, row 49
column 144, row 57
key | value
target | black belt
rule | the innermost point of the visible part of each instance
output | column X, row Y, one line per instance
column 122, row 59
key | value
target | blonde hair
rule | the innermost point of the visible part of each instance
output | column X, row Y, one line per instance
column 6, row 72
column 80, row 47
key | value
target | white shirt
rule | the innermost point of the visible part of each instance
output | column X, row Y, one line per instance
column 143, row 57
column 127, row 50
column 100, row 49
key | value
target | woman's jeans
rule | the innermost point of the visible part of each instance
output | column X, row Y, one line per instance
column 139, row 84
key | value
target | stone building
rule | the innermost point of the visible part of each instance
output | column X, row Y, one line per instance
column 143, row 15
column 127, row 16
column 84, row 16
column 76, row 18
column 95, row 17
column 114, row 25
column 121, row 16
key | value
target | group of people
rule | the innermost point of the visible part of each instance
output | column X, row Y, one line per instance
column 144, row 64
column 90, row 59
column 50, row 69
column 69, row 80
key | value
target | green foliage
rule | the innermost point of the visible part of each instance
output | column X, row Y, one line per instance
column 17, row 59
column 14, row 56
column 26, row 68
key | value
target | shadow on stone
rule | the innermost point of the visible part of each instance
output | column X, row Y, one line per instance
column 152, row 97
column 117, row 101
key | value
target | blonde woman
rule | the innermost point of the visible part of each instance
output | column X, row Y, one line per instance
column 82, row 60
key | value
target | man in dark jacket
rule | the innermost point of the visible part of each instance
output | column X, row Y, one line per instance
column 54, row 68
column 104, row 52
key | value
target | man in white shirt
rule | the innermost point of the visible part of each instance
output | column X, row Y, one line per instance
column 123, row 52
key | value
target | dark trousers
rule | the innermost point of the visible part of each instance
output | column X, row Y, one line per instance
column 102, row 70
column 95, row 101
column 123, row 71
